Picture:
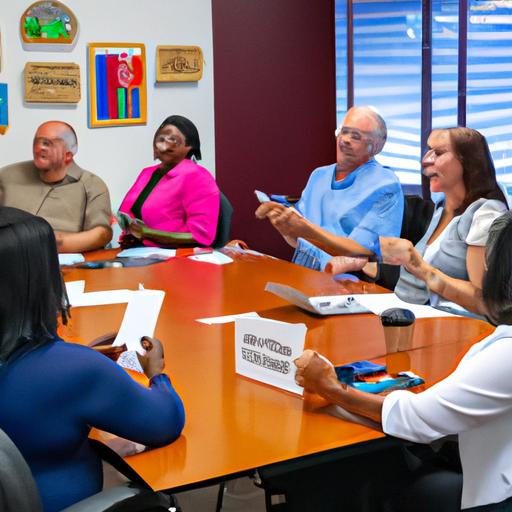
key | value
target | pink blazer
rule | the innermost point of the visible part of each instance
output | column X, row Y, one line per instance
column 185, row 200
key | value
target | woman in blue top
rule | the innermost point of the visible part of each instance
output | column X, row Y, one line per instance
column 52, row 392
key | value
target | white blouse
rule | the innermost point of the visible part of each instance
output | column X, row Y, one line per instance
column 475, row 402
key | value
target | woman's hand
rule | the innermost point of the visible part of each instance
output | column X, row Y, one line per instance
column 136, row 228
column 396, row 251
column 238, row 244
column 152, row 361
column 344, row 264
column 127, row 241
column 315, row 373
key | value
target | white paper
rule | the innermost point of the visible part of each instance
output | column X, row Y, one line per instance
column 379, row 302
column 70, row 258
column 227, row 318
column 74, row 290
column 215, row 257
column 147, row 252
column 265, row 351
column 100, row 298
column 139, row 318
column 321, row 305
column 128, row 359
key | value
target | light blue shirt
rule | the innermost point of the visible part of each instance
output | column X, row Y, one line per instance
column 367, row 204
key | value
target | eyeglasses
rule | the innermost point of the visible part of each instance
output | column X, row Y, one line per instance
column 46, row 143
column 169, row 139
column 433, row 154
column 354, row 134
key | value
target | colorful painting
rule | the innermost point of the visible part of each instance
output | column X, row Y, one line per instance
column 117, row 84
column 179, row 63
column 48, row 22
column 4, row 111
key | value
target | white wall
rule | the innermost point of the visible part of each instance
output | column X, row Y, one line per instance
column 116, row 154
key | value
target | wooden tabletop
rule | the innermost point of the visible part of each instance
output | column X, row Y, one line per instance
column 235, row 424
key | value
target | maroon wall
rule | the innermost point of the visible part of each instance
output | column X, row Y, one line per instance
column 275, row 103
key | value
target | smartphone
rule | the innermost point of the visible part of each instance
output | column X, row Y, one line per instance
column 262, row 197
column 124, row 220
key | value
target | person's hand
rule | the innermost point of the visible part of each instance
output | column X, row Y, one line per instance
column 396, row 251
column 238, row 244
column 152, row 361
column 268, row 207
column 315, row 373
column 136, row 229
column 127, row 241
column 344, row 264
column 287, row 221
column 124, row 447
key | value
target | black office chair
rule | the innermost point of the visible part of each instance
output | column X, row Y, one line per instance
column 224, row 223
column 19, row 493
column 415, row 221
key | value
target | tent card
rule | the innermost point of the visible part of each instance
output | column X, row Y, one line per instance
column 265, row 351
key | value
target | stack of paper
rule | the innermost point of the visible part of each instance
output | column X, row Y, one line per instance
column 147, row 252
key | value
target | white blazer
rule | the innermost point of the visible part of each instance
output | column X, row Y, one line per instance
column 475, row 401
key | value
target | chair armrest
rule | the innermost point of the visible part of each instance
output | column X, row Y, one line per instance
column 105, row 499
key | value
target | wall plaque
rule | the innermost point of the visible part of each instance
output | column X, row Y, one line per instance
column 52, row 82
column 48, row 24
column 179, row 63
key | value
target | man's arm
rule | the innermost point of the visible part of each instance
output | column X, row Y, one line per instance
column 292, row 226
column 95, row 238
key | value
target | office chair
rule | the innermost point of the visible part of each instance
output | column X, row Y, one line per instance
column 224, row 222
column 415, row 221
column 19, row 493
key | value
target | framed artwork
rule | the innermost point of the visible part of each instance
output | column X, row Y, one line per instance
column 48, row 22
column 117, row 84
column 179, row 63
column 52, row 82
column 4, row 110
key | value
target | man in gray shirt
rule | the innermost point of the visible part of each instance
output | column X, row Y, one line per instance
column 74, row 201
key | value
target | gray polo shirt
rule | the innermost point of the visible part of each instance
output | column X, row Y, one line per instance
column 78, row 203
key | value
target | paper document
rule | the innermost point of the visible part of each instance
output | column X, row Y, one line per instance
column 321, row 305
column 71, row 258
column 147, row 252
column 227, row 318
column 101, row 298
column 129, row 360
column 139, row 318
column 265, row 351
column 74, row 290
column 215, row 257
column 379, row 302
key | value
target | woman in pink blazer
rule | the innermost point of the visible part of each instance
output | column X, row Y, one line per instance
column 175, row 202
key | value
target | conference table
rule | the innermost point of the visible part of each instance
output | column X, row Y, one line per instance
column 235, row 425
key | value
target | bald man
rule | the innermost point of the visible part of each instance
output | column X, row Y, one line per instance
column 355, row 197
column 74, row 201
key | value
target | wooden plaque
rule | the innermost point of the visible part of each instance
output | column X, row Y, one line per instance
column 179, row 63
column 52, row 82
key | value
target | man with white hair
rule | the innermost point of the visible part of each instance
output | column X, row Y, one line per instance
column 356, row 197
column 75, row 202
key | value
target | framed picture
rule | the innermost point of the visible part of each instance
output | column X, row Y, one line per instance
column 117, row 84
column 52, row 82
column 46, row 23
column 4, row 110
column 179, row 63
